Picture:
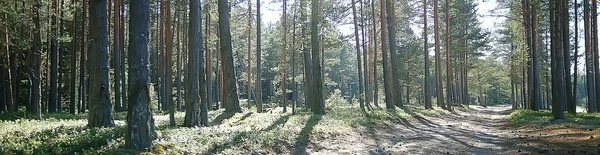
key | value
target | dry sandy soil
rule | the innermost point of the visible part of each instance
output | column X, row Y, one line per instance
column 477, row 130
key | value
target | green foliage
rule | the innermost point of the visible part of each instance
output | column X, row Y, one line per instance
column 272, row 132
column 544, row 118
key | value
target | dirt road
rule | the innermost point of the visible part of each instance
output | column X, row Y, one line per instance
column 480, row 130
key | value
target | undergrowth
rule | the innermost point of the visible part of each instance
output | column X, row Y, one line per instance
column 544, row 118
column 270, row 132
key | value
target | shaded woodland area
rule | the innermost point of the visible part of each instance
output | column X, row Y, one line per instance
column 326, row 76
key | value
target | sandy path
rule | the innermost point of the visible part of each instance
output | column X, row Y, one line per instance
column 478, row 131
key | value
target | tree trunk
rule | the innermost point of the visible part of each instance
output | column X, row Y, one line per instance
column 230, row 98
column 209, row 97
column 567, row 58
column 117, row 57
column 195, row 86
column 375, row 83
column 357, row 46
column 438, row 68
column 589, row 60
column 122, row 49
column 426, row 81
column 249, row 70
column 594, row 44
column 53, row 94
column 35, row 75
column 100, row 106
column 366, row 73
column 284, row 78
column 308, row 72
column 169, row 59
column 389, row 100
column 448, row 65
column 573, row 107
column 178, row 78
column 395, row 77
column 317, row 89
column 295, row 91
column 140, row 123
column 258, row 83
column 558, row 83
column 82, row 64
column 72, row 100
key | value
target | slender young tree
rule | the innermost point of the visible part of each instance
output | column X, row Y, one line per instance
column 72, row 100
column 572, row 109
column 357, row 46
column 295, row 92
column 249, row 70
column 438, row 67
column 209, row 90
column 594, row 44
column 258, row 83
column 374, row 35
column 53, row 94
column 140, row 123
column 100, row 106
column 426, row 81
column 82, row 62
column 230, row 98
column 179, row 60
column 122, row 46
column 284, row 79
column 117, row 56
column 168, row 64
column 447, row 49
column 365, row 58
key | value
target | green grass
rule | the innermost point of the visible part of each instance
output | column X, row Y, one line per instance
column 271, row 132
column 544, row 118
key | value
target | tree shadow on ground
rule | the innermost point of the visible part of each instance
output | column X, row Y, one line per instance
column 304, row 137
column 281, row 120
column 221, row 117
column 244, row 117
column 240, row 137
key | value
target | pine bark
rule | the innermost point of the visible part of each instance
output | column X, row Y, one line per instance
column 438, row 68
column 249, row 70
column 284, row 78
column 82, row 63
column 389, row 100
column 117, row 56
column 230, row 98
column 317, row 89
column 589, row 61
column 258, row 83
column 395, row 77
column 426, row 81
column 140, row 123
column 100, row 105
column 358, row 59
column 53, row 94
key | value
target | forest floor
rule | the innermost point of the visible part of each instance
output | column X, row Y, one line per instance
column 473, row 130
column 343, row 130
